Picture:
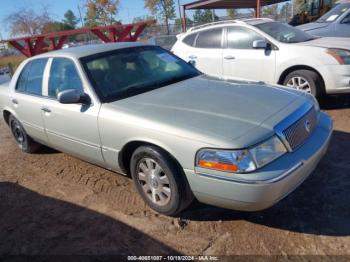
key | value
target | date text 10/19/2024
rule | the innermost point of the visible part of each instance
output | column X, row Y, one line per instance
column 173, row 258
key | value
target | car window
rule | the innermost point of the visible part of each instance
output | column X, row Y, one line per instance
column 346, row 19
column 241, row 38
column 189, row 40
column 209, row 38
column 31, row 78
column 63, row 76
column 22, row 80
column 127, row 72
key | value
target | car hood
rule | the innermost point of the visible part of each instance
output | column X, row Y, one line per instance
column 209, row 109
column 312, row 26
column 328, row 42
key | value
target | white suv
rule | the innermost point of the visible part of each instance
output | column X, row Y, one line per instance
column 269, row 51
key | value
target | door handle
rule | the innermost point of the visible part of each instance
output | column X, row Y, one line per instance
column 14, row 101
column 45, row 109
column 229, row 57
column 192, row 57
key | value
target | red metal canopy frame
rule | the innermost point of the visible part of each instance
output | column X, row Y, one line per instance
column 226, row 4
column 38, row 44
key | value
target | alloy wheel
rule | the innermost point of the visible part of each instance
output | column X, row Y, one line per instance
column 154, row 181
column 299, row 83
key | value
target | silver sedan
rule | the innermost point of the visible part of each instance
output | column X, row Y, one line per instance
column 140, row 110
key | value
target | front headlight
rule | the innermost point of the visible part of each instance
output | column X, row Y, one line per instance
column 342, row 56
column 241, row 161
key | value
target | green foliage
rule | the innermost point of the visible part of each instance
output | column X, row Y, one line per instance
column 203, row 16
column 232, row 13
column 56, row 27
column 164, row 9
column 70, row 19
column 101, row 12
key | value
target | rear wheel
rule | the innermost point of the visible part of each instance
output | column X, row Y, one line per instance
column 160, row 181
column 305, row 80
column 25, row 142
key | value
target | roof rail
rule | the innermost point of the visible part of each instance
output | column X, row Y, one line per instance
column 245, row 20
column 213, row 23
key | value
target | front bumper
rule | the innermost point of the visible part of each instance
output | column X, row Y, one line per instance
column 336, row 78
column 273, row 182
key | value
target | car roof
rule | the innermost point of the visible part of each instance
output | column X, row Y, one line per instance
column 87, row 50
column 247, row 21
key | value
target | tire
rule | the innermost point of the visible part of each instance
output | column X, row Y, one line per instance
column 316, row 86
column 162, row 185
column 24, row 142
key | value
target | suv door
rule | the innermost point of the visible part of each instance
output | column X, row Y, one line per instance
column 241, row 60
column 206, row 55
column 27, row 99
column 71, row 128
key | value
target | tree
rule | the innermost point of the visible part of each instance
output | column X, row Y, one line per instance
column 299, row 6
column 178, row 23
column 101, row 12
column 232, row 13
column 26, row 21
column 270, row 11
column 164, row 9
column 203, row 16
column 70, row 19
column 55, row 26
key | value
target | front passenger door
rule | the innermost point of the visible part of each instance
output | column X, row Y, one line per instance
column 242, row 61
column 71, row 128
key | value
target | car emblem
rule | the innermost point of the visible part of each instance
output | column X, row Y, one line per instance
column 307, row 125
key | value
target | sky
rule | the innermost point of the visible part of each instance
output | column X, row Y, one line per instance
column 128, row 9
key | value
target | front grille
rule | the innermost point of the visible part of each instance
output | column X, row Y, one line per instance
column 298, row 132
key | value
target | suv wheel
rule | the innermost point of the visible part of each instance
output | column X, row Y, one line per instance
column 305, row 80
column 160, row 181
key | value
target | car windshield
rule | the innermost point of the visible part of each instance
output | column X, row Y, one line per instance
column 127, row 72
column 334, row 13
column 284, row 32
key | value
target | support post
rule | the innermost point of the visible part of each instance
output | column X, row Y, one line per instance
column 257, row 10
column 184, row 20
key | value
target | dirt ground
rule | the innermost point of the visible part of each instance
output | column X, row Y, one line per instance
column 51, row 203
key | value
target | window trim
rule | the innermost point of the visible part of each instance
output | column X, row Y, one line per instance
column 210, row 29
column 29, row 63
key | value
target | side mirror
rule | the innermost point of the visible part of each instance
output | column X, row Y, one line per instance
column 260, row 44
column 73, row 96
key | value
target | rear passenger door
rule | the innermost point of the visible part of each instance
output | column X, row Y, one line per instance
column 28, row 99
column 71, row 128
column 206, row 55
column 242, row 61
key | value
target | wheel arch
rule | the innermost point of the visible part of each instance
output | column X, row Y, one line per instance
column 6, row 113
column 129, row 148
column 289, row 70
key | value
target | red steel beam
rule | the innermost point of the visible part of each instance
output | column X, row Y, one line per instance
column 34, row 45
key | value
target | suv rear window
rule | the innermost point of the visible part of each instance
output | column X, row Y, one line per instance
column 189, row 40
column 209, row 38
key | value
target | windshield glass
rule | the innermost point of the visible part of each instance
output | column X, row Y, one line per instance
column 127, row 72
column 334, row 13
column 284, row 32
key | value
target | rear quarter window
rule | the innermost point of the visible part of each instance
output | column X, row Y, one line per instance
column 189, row 40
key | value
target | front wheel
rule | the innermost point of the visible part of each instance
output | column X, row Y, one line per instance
column 24, row 142
column 305, row 80
column 160, row 181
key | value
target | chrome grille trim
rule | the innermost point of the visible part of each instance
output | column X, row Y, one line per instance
column 289, row 130
column 297, row 133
